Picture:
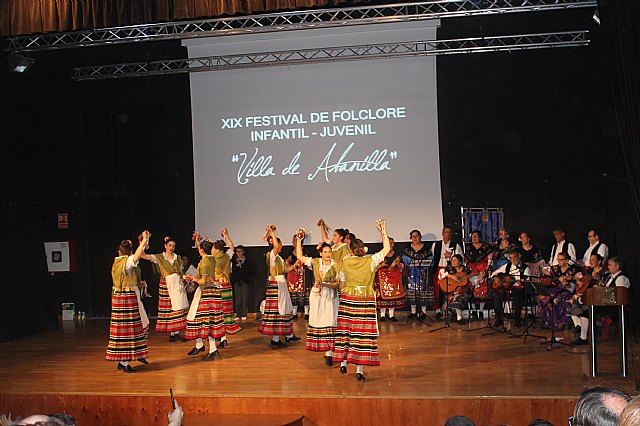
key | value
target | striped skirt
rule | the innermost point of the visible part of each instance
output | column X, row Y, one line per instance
column 127, row 337
column 168, row 319
column 357, row 331
column 272, row 323
column 209, row 319
column 320, row 339
column 230, row 326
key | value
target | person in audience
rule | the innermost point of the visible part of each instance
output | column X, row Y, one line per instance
column 595, row 246
column 388, row 284
column 599, row 406
column 630, row 416
column 478, row 256
column 357, row 326
column 417, row 259
column 127, row 333
column 540, row 422
column 459, row 421
column 561, row 246
column 442, row 251
column 242, row 271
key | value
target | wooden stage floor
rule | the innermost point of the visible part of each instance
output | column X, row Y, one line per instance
column 424, row 378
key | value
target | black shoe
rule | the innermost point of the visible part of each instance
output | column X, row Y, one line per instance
column 360, row 377
column 195, row 351
column 481, row 315
column 393, row 319
column 423, row 316
column 181, row 338
column 576, row 330
column 462, row 321
column 173, row 338
column 382, row 319
column 343, row 369
column 294, row 338
column 223, row 344
column 295, row 316
column 411, row 316
column 328, row 361
column 438, row 315
column 306, row 316
column 579, row 342
column 474, row 315
column 143, row 361
column 211, row 355
column 278, row 343
column 126, row 368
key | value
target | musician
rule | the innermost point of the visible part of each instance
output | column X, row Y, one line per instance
column 389, row 273
column 417, row 259
column 530, row 254
column 616, row 278
column 456, row 275
column 593, row 274
column 503, row 247
column 442, row 251
column 561, row 286
column 511, row 275
column 478, row 256
column 560, row 246
column 595, row 246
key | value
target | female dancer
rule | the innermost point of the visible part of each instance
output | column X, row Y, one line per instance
column 390, row 292
column 478, row 256
column 357, row 326
column 206, row 316
column 277, row 318
column 127, row 335
column 323, row 300
column 455, row 276
column 223, row 277
column 417, row 259
column 172, row 301
column 338, row 241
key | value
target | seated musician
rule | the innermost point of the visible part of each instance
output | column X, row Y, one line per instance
column 593, row 274
column 503, row 247
column 454, row 284
column 509, row 276
column 477, row 258
column 616, row 277
column 561, row 286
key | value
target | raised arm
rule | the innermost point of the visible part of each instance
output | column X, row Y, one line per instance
column 323, row 231
column 301, row 257
column 225, row 234
column 140, row 250
column 382, row 228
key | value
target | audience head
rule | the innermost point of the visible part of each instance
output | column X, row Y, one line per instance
column 459, row 421
column 540, row 422
column 630, row 416
column 599, row 406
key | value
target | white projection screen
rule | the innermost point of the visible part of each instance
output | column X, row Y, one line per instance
column 348, row 141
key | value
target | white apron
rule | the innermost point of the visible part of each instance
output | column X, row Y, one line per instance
column 177, row 292
column 194, row 304
column 285, row 307
column 323, row 307
column 141, row 310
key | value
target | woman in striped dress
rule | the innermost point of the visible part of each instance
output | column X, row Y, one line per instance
column 223, row 278
column 357, row 328
column 127, row 335
column 323, row 300
column 206, row 316
column 277, row 319
column 173, row 304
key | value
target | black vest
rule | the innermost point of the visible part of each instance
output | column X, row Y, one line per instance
column 437, row 252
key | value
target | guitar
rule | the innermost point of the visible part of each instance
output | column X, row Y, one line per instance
column 503, row 282
column 450, row 283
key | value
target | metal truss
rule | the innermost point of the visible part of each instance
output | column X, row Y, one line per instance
column 285, row 21
column 344, row 53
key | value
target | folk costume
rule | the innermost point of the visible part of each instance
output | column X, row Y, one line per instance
column 277, row 318
column 323, row 308
column 172, row 301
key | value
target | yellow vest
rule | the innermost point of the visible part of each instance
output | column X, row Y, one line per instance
column 358, row 276
column 120, row 278
column 223, row 267
column 278, row 269
column 166, row 268
column 207, row 267
column 330, row 276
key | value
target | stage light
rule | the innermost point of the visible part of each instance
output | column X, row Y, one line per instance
column 596, row 17
column 19, row 63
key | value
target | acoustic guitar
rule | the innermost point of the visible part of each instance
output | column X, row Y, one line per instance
column 450, row 283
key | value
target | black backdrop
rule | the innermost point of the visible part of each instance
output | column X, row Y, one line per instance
column 532, row 131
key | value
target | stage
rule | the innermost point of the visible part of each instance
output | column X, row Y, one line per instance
column 424, row 378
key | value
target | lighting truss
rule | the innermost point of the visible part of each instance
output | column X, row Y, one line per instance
column 285, row 21
column 343, row 53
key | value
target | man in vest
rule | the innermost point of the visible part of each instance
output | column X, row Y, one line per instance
column 595, row 246
column 560, row 246
column 442, row 251
column 514, row 272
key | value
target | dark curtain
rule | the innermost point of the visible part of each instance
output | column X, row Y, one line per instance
column 19, row 17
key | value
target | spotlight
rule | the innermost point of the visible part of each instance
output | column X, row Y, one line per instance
column 19, row 63
column 596, row 17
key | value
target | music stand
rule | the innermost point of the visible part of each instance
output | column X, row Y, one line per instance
column 538, row 290
column 447, row 323
column 543, row 291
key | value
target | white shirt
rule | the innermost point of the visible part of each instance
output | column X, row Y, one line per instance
column 443, row 260
column 375, row 261
column 603, row 251
column 129, row 264
column 622, row 281
column 322, row 268
column 164, row 254
column 514, row 272
column 558, row 248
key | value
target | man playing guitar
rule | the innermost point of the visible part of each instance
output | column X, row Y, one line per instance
column 509, row 277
